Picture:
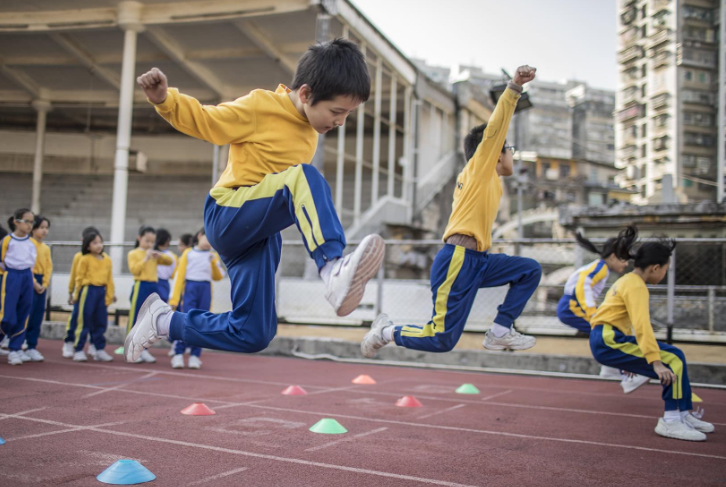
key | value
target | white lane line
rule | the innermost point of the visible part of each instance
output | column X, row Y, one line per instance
column 117, row 387
column 24, row 412
column 496, row 395
column 458, row 406
column 350, row 438
column 265, row 456
column 67, row 430
column 219, row 476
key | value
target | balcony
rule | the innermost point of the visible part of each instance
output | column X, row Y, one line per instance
column 630, row 95
column 696, row 58
column 659, row 38
column 660, row 144
column 658, row 5
column 630, row 54
column 629, row 152
column 626, row 3
column 628, row 37
column 662, row 59
column 630, row 137
column 629, row 16
column 630, row 113
column 661, row 101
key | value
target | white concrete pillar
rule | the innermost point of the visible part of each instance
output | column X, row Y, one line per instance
column 377, row 130
column 129, row 15
column 359, row 140
column 392, row 138
column 42, row 107
column 407, row 139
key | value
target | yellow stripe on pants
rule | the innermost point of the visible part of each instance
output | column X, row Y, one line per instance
column 79, row 321
column 132, row 311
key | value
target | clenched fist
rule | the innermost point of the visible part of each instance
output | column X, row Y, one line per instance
column 524, row 74
column 154, row 85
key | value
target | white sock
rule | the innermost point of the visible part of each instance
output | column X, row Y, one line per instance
column 671, row 416
column 326, row 269
column 684, row 414
column 499, row 330
column 387, row 333
column 163, row 323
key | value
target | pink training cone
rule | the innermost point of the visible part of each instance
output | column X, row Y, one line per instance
column 198, row 409
column 364, row 379
column 294, row 391
column 409, row 402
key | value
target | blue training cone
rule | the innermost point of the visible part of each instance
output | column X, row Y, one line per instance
column 126, row 472
column 2, row 442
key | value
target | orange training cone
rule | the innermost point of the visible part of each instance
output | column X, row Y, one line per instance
column 294, row 391
column 409, row 402
column 198, row 409
column 364, row 379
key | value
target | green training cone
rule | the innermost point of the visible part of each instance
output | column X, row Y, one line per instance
column 328, row 426
column 119, row 351
column 467, row 389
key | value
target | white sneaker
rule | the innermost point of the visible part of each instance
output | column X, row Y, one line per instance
column 610, row 372
column 194, row 362
column 629, row 384
column 68, row 350
column 14, row 358
column 172, row 350
column 512, row 341
column 144, row 333
column 102, row 356
column 35, row 355
column 5, row 343
column 4, row 351
column 91, row 350
column 24, row 346
column 350, row 274
column 177, row 361
column 138, row 361
column 24, row 356
column 147, row 357
column 80, row 357
column 374, row 338
column 698, row 424
column 678, row 430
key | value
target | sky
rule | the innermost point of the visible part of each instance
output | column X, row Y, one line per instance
column 563, row 39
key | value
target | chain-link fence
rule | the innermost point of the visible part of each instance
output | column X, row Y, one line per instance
column 692, row 298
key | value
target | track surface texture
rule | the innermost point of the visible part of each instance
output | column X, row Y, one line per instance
column 65, row 422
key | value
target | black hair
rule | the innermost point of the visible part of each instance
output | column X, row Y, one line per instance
column 90, row 230
column 17, row 215
column 187, row 239
column 473, row 139
column 163, row 237
column 331, row 69
column 39, row 219
column 655, row 252
column 87, row 239
column 143, row 231
column 3, row 232
column 620, row 246
column 195, row 240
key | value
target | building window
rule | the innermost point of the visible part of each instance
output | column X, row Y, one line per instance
column 596, row 199
column 564, row 171
column 697, row 96
column 697, row 13
column 703, row 140
column 697, row 118
column 688, row 75
column 642, row 151
column 704, row 78
column 644, row 130
column 644, row 71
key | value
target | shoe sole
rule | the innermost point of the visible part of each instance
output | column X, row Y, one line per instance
column 142, row 312
column 673, row 437
column 502, row 347
column 367, row 267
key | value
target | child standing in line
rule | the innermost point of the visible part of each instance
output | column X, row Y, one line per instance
column 72, row 328
column 94, row 294
column 626, row 311
column 4, row 340
column 198, row 266
column 268, row 185
column 185, row 242
column 464, row 265
column 42, row 273
column 165, row 272
column 18, row 253
column 143, row 262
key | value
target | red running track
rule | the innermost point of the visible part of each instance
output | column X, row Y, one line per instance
column 65, row 422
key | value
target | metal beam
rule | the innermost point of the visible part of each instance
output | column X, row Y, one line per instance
column 263, row 42
column 171, row 48
column 73, row 46
column 21, row 79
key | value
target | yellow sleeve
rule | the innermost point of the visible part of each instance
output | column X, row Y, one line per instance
column 226, row 123
column 110, row 286
column 164, row 259
column 181, row 272
column 484, row 161
column 217, row 273
column 637, row 303
column 47, row 266
column 136, row 263
column 74, row 268
column 80, row 275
